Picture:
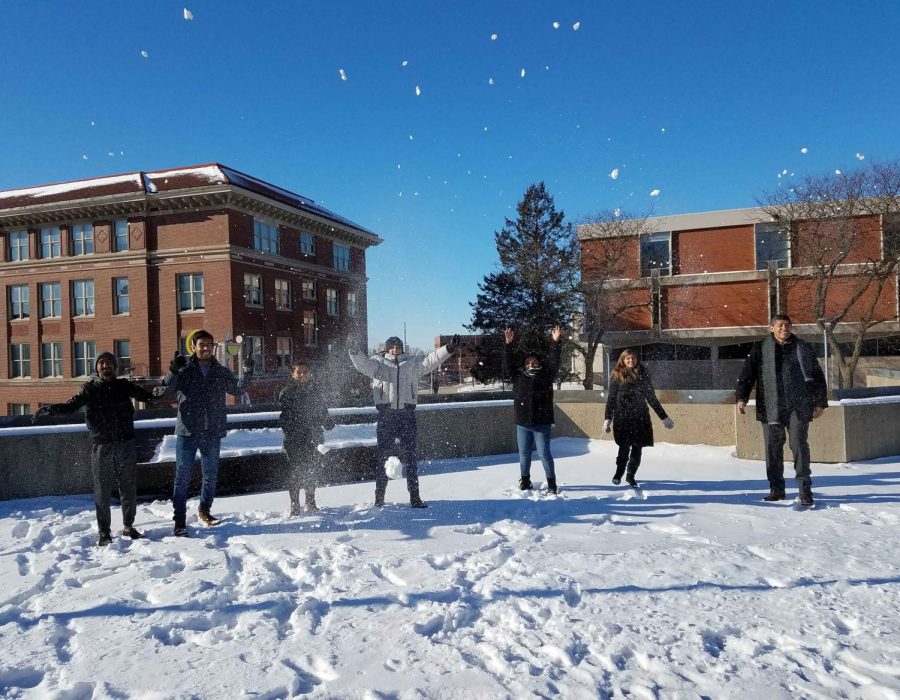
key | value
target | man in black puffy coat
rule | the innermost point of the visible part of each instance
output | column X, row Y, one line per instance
column 109, row 415
column 532, row 385
column 304, row 418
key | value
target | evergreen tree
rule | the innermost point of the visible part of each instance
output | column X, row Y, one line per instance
column 535, row 287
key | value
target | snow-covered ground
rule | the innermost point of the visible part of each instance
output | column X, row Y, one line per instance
column 693, row 588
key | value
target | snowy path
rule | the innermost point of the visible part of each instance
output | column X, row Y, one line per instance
column 690, row 588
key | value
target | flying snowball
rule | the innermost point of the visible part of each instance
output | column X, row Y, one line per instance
column 556, row 25
column 490, row 81
column 418, row 91
column 860, row 156
column 654, row 193
column 393, row 467
column 576, row 26
column 804, row 150
column 522, row 73
column 84, row 156
column 342, row 74
column 404, row 63
column 145, row 54
column 614, row 174
column 493, row 37
column 188, row 15
column 837, row 172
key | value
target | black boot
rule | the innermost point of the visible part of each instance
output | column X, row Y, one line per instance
column 774, row 496
column 617, row 477
column 551, row 486
column 524, row 483
column 631, row 481
column 105, row 539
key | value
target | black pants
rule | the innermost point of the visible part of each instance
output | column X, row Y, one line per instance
column 114, row 463
column 632, row 461
column 397, row 425
column 306, row 463
column 774, row 438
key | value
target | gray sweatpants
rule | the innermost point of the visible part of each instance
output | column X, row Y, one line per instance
column 111, row 463
column 774, row 437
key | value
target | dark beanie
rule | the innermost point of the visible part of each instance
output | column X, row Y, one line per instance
column 392, row 341
column 105, row 356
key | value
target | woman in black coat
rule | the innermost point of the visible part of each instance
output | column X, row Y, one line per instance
column 630, row 391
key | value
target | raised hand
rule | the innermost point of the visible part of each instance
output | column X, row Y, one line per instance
column 556, row 333
column 453, row 345
column 178, row 363
column 508, row 335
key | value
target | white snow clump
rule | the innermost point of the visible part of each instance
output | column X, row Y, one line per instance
column 804, row 150
column 342, row 74
column 394, row 468
column 188, row 15
column 614, row 174
column 654, row 193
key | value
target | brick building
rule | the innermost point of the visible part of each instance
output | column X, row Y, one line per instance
column 132, row 263
column 694, row 290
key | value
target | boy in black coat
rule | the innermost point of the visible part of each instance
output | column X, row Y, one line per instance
column 109, row 416
column 532, row 385
column 304, row 417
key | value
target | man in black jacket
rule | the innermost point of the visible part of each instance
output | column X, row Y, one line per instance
column 109, row 415
column 790, row 393
column 201, row 384
column 532, row 385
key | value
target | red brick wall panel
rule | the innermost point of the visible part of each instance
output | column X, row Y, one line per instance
column 816, row 241
column 193, row 229
column 797, row 300
column 716, row 305
column 594, row 254
column 723, row 249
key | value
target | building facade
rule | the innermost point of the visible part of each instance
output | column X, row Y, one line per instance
column 133, row 263
column 698, row 288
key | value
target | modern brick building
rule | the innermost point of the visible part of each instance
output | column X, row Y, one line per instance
column 695, row 289
column 132, row 263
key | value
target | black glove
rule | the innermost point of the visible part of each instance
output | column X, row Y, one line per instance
column 40, row 413
column 248, row 365
column 329, row 423
column 453, row 345
column 178, row 363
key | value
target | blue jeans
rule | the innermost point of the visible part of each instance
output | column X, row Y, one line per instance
column 186, row 447
column 528, row 438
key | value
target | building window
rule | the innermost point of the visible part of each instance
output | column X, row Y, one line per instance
column 51, row 300
column 190, row 293
column 284, row 350
column 121, row 235
column 772, row 245
column 308, row 289
column 265, row 236
column 51, row 245
column 331, row 302
column 307, row 244
column 18, row 302
column 51, row 360
column 84, row 354
column 890, row 224
column 122, row 349
column 18, row 245
column 283, row 294
column 253, row 295
column 18, row 409
column 82, row 239
column 656, row 253
column 310, row 328
column 83, row 298
column 341, row 256
column 121, row 303
column 19, row 360
column 254, row 349
column 352, row 304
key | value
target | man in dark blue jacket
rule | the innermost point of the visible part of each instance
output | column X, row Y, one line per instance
column 790, row 393
column 201, row 384
column 109, row 415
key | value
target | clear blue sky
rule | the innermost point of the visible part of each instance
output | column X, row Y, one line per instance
column 705, row 101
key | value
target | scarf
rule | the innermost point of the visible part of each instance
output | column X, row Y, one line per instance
column 771, row 390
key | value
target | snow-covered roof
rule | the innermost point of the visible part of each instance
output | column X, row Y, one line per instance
column 159, row 182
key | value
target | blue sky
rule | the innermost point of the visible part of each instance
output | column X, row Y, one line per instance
column 705, row 101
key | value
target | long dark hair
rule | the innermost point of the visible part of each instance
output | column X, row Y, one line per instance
column 623, row 373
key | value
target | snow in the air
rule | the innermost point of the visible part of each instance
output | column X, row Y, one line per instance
column 188, row 15
column 418, row 91
column 556, row 25
column 145, row 54
column 342, row 74
column 654, row 193
column 614, row 174
column 860, row 156
column 804, row 150
column 576, row 26
column 689, row 588
column 493, row 37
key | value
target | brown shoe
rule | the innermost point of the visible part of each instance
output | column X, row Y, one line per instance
column 806, row 499
column 207, row 517
column 774, row 496
column 296, row 509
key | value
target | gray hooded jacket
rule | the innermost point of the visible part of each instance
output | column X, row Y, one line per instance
column 398, row 377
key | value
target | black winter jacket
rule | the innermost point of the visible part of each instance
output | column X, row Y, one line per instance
column 533, row 396
column 304, row 412
column 626, row 407
column 795, row 393
column 109, row 413
column 201, row 400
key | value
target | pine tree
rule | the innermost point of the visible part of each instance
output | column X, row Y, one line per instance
column 534, row 289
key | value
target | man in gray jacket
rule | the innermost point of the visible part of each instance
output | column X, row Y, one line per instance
column 395, row 393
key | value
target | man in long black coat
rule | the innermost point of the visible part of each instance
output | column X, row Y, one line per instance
column 791, row 392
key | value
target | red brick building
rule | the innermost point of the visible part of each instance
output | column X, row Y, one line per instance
column 704, row 285
column 132, row 263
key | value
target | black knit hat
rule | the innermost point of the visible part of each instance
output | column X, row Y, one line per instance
column 105, row 356
column 392, row 341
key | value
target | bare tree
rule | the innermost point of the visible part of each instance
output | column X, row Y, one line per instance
column 608, row 289
column 843, row 234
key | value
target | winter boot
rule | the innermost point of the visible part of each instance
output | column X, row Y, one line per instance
column 130, row 531
column 311, row 506
column 631, row 481
column 417, row 503
column 774, row 496
column 295, row 509
column 524, row 483
column 551, row 486
column 105, row 539
column 806, row 498
column 180, row 530
column 617, row 477
column 207, row 518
